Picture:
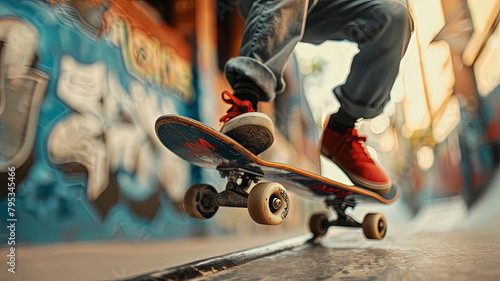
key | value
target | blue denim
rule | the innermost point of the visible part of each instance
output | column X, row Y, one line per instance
column 381, row 28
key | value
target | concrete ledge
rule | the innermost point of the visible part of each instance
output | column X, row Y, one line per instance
column 205, row 267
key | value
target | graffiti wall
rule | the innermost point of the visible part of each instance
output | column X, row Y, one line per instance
column 81, row 85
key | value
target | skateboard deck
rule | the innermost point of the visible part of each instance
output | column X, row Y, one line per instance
column 206, row 147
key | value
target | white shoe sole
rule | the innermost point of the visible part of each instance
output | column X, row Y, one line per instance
column 253, row 130
column 377, row 187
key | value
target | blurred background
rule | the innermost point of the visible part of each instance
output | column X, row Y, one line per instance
column 82, row 83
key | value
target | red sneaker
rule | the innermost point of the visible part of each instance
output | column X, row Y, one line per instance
column 253, row 130
column 349, row 153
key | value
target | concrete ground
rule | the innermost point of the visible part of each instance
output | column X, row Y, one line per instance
column 445, row 241
column 438, row 256
column 117, row 260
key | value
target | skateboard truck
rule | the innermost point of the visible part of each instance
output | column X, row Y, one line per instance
column 374, row 225
column 267, row 203
column 340, row 205
column 236, row 194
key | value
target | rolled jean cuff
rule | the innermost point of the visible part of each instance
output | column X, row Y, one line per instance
column 254, row 70
column 355, row 109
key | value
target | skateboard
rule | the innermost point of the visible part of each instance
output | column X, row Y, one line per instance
column 267, row 200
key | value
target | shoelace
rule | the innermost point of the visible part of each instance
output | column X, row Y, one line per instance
column 238, row 106
column 357, row 146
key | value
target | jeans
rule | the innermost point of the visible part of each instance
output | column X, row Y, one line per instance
column 381, row 28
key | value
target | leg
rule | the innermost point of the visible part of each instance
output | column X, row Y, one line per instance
column 272, row 30
column 382, row 30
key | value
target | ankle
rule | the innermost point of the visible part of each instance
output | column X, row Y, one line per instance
column 341, row 122
column 248, row 96
column 245, row 89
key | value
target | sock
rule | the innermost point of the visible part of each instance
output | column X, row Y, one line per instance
column 341, row 121
column 245, row 89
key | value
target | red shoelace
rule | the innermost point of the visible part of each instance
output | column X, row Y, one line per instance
column 238, row 106
column 357, row 147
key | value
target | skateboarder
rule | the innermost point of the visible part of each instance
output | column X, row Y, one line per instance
column 382, row 30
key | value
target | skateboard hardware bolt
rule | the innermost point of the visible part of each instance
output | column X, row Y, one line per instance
column 381, row 225
column 276, row 203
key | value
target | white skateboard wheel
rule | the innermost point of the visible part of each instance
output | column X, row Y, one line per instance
column 198, row 201
column 268, row 203
column 374, row 226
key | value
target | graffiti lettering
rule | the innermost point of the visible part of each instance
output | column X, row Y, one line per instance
column 146, row 58
column 21, row 93
column 108, row 131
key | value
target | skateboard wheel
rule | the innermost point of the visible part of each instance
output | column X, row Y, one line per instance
column 374, row 226
column 198, row 201
column 318, row 224
column 268, row 203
